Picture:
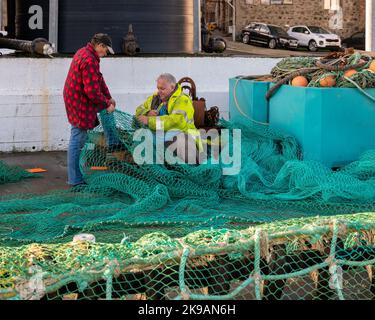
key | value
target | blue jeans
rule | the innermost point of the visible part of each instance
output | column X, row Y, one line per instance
column 76, row 143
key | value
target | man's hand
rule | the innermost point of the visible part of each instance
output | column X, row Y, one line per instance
column 143, row 119
column 111, row 108
column 112, row 101
column 152, row 113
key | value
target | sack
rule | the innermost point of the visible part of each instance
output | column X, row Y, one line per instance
column 199, row 112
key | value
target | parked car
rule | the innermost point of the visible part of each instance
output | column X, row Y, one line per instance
column 314, row 37
column 356, row 41
column 268, row 34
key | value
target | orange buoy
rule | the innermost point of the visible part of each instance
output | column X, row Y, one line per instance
column 328, row 81
column 350, row 72
column 300, row 81
column 372, row 66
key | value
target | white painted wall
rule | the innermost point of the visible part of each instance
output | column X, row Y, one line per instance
column 32, row 111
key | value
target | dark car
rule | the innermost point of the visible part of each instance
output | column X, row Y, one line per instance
column 356, row 41
column 268, row 34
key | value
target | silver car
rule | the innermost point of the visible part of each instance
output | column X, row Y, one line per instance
column 314, row 37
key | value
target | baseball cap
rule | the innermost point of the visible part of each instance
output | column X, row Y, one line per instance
column 104, row 39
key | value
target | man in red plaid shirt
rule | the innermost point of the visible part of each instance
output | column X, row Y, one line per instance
column 85, row 94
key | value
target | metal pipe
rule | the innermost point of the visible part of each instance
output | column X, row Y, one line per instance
column 197, row 26
column 233, row 6
column 37, row 46
column 53, row 23
column 370, row 25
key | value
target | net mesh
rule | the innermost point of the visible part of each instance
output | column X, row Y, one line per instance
column 13, row 173
column 282, row 228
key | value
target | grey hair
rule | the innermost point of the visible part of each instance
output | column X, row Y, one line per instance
column 168, row 77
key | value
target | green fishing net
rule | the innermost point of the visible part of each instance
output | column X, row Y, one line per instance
column 280, row 228
column 13, row 173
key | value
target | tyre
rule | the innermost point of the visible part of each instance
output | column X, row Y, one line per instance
column 246, row 39
column 272, row 44
column 313, row 47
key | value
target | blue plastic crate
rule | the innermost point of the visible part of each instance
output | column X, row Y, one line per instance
column 333, row 125
column 251, row 99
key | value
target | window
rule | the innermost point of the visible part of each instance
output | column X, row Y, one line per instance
column 332, row 5
column 250, row 26
column 318, row 30
column 277, row 31
column 263, row 29
column 298, row 29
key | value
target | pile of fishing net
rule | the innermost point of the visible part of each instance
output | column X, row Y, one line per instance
column 272, row 184
column 176, row 231
column 347, row 69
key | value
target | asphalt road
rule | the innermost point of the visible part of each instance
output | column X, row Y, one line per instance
column 239, row 48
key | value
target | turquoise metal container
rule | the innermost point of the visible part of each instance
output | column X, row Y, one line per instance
column 251, row 101
column 333, row 125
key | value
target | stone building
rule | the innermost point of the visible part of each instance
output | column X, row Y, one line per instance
column 343, row 17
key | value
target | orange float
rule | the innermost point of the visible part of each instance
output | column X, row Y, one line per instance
column 372, row 66
column 349, row 73
column 300, row 81
column 328, row 81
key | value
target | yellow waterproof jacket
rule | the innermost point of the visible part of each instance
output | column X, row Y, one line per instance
column 180, row 114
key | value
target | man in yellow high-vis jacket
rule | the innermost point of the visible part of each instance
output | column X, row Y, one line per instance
column 172, row 110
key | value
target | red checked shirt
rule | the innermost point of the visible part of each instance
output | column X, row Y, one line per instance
column 85, row 91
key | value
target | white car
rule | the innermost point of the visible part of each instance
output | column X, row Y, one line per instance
column 314, row 37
